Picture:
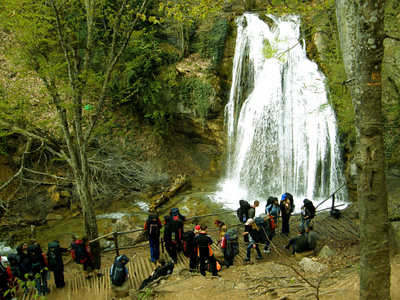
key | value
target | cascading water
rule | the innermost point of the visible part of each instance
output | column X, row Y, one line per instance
column 281, row 129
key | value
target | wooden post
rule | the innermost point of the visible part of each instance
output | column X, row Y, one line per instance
column 116, row 243
column 333, row 200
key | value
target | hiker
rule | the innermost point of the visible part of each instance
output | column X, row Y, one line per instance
column 219, row 224
column 56, row 264
column 153, row 226
column 81, row 254
column 204, row 242
column 38, row 268
column 286, row 210
column 273, row 209
column 247, row 211
column 189, row 248
column 197, row 229
column 229, row 245
column 170, row 245
column 119, row 272
column 307, row 213
column 163, row 269
column 271, row 225
column 312, row 237
column 24, row 265
column 6, row 281
column 255, row 237
column 298, row 242
column 176, row 227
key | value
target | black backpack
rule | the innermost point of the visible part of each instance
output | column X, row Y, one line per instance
column 188, row 242
column 78, row 251
column 3, row 275
column 310, row 206
column 54, row 256
column 175, row 215
column 290, row 197
column 232, row 242
column 243, row 211
column 153, row 226
column 118, row 274
column 271, row 200
column 262, row 225
column 14, row 260
column 35, row 258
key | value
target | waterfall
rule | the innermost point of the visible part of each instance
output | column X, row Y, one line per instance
column 281, row 129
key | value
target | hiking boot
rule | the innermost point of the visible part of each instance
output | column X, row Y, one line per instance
column 267, row 251
column 259, row 257
column 216, row 276
column 246, row 259
column 100, row 275
column 90, row 276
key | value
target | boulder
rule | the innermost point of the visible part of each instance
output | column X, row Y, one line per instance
column 307, row 253
column 308, row 265
column 121, row 291
column 326, row 252
column 53, row 217
column 128, row 239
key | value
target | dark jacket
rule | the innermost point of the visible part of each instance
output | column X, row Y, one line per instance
column 300, row 243
column 255, row 234
column 203, row 243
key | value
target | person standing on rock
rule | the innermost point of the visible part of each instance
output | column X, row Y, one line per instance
column 153, row 226
column 204, row 242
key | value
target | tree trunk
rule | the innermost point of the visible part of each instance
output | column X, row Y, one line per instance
column 370, row 158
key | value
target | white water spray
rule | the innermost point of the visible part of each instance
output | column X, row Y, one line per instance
column 281, row 129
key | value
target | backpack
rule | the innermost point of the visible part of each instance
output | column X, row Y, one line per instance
column 188, row 243
column 310, row 206
column 54, row 257
column 217, row 263
column 78, row 251
column 175, row 215
column 3, row 275
column 243, row 211
column 271, row 200
column 272, row 224
column 261, row 224
column 153, row 226
column 14, row 260
column 292, row 206
column 232, row 243
column 175, row 228
column 35, row 256
column 118, row 274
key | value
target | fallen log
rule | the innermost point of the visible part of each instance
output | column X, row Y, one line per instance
column 159, row 199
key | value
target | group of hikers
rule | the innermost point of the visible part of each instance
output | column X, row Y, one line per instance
column 258, row 231
column 30, row 263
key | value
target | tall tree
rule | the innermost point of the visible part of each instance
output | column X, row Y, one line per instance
column 58, row 41
column 361, row 29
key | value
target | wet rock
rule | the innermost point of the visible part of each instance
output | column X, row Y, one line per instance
column 326, row 252
column 53, row 217
column 308, row 265
column 129, row 239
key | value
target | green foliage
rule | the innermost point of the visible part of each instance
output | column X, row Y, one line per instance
column 197, row 94
column 147, row 80
column 212, row 42
column 146, row 294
